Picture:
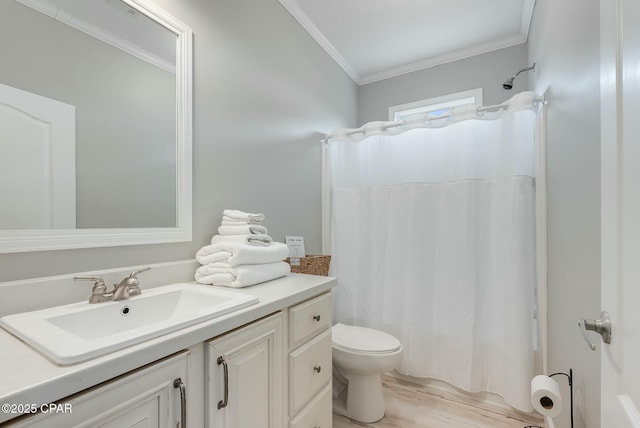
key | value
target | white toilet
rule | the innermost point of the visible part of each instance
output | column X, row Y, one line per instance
column 360, row 356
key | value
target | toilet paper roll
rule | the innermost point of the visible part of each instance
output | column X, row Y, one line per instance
column 545, row 396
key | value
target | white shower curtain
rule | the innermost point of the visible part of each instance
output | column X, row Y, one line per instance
column 433, row 240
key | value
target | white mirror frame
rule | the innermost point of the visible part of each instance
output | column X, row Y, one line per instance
column 15, row 241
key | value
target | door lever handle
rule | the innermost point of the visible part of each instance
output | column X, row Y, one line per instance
column 601, row 326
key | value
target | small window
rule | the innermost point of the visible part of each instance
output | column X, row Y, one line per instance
column 437, row 106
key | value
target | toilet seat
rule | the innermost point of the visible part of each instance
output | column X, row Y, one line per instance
column 363, row 340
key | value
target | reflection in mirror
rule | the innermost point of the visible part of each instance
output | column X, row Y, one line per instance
column 94, row 121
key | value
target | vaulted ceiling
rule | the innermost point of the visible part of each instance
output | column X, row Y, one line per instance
column 377, row 39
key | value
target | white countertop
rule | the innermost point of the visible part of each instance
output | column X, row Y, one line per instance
column 27, row 377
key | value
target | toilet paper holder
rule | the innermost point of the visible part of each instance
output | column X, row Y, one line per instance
column 570, row 379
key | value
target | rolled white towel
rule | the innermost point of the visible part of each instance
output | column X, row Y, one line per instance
column 237, row 253
column 247, row 229
column 237, row 215
column 240, row 276
column 251, row 239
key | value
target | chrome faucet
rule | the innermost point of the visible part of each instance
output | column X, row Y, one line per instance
column 128, row 287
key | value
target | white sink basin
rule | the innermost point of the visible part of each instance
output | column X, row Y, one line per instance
column 77, row 332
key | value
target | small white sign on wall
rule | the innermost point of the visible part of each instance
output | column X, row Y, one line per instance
column 296, row 246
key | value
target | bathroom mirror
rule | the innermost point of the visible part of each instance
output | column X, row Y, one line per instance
column 95, row 125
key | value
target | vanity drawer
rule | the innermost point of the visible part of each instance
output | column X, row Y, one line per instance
column 309, row 370
column 318, row 414
column 309, row 318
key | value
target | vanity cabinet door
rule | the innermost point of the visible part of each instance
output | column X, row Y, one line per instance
column 310, row 370
column 144, row 398
column 317, row 414
column 247, row 364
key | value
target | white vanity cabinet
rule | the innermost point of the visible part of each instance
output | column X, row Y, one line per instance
column 310, row 369
column 258, row 363
column 149, row 397
column 244, row 376
column 277, row 356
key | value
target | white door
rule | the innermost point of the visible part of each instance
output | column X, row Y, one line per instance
column 620, row 84
column 37, row 162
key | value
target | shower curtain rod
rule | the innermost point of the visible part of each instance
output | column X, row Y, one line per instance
column 427, row 117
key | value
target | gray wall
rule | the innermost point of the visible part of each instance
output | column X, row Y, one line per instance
column 264, row 91
column 125, row 109
column 565, row 45
column 486, row 71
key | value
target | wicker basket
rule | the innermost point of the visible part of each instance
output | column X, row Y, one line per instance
column 312, row 265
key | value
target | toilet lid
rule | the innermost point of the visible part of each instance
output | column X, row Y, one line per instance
column 362, row 339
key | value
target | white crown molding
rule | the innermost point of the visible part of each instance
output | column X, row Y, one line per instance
column 525, row 23
column 443, row 59
column 527, row 16
column 294, row 9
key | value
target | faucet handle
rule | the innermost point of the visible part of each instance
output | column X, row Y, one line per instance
column 98, row 282
column 135, row 273
column 99, row 290
column 130, row 286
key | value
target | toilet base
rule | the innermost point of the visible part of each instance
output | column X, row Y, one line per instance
column 363, row 399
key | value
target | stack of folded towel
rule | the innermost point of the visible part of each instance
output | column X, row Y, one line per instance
column 242, row 253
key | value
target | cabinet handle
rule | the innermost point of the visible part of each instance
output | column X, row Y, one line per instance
column 177, row 383
column 317, row 369
column 225, row 402
column 316, row 317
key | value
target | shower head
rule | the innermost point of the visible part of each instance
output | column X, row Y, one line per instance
column 508, row 84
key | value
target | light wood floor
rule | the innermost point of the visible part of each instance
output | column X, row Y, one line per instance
column 415, row 406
